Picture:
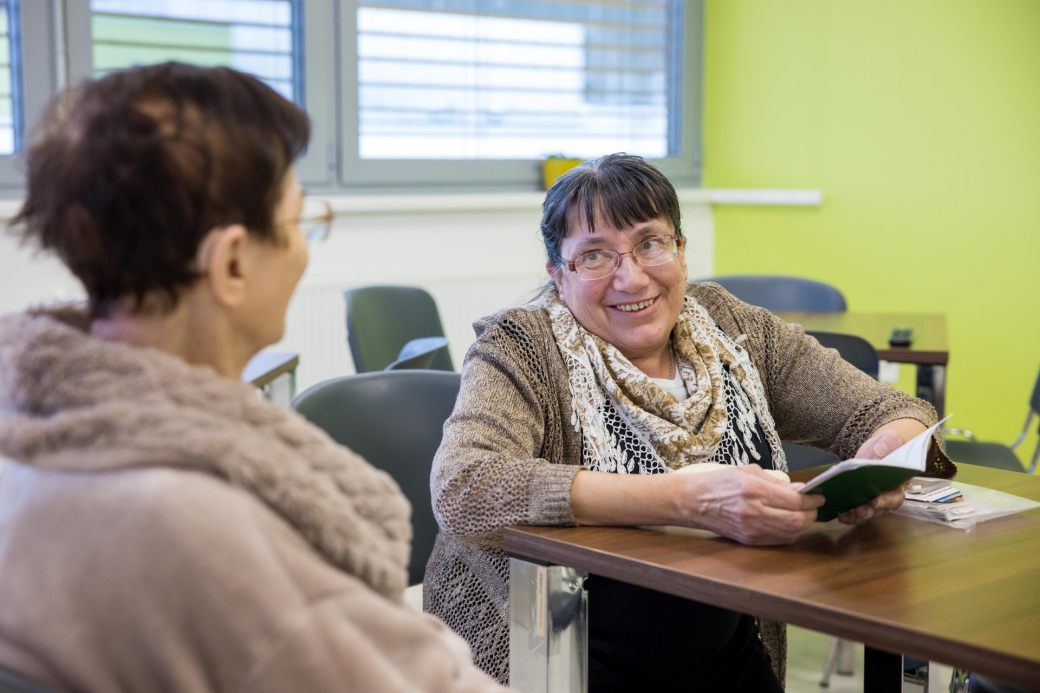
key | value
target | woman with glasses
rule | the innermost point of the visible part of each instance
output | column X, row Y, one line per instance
column 580, row 407
column 161, row 526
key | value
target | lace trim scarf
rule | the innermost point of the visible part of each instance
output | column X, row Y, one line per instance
column 667, row 434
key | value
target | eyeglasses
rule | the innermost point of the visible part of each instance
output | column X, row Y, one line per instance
column 651, row 251
column 315, row 220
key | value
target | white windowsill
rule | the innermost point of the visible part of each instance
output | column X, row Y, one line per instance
column 477, row 202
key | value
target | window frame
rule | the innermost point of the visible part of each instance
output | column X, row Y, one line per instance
column 313, row 22
column 430, row 175
column 36, row 77
column 57, row 50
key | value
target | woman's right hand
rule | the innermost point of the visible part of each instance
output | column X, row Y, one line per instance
column 741, row 503
column 748, row 505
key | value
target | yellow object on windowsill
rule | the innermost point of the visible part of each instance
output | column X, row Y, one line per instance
column 554, row 167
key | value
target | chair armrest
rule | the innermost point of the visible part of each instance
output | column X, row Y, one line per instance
column 962, row 432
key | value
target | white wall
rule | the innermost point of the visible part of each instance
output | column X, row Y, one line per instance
column 26, row 277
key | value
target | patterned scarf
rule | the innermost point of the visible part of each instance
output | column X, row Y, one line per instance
column 677, row 433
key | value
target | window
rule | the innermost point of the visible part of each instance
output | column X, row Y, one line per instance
column 27, row 78
column 403, row 94
column 254, row 36
column 476, row 91
column 531, row 80
column 266, row 38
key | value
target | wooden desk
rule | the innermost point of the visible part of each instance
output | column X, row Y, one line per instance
column 928, row 350
column 266, row 367
column 967, row 599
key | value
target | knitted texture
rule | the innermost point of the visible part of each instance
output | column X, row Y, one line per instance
column 618, row 409
column 509, row 453
column 74, row 403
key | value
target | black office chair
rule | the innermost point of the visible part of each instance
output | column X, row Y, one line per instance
column 394, row 419
column 774, row 292
column 996, row 455
column 381, row 320
column 9, row 683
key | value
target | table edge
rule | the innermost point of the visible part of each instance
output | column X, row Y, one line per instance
column 520, row 542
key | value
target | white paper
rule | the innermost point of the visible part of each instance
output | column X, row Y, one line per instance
column 913, row 454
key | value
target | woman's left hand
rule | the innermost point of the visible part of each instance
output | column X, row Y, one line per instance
column 885, row 440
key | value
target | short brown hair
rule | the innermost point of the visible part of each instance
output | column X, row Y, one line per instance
column 623, row 189
column 132, row 170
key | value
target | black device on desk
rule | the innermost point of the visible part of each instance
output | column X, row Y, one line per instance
column 901, row 337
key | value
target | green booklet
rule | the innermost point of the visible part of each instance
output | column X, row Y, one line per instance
column 852, row 483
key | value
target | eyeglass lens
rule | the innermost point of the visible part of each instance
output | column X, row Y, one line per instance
column 650, row 252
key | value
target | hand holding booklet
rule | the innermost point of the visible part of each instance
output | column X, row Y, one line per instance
column 852, row 483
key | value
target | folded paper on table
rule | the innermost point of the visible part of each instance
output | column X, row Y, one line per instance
column 978, row 504
column 852, row 483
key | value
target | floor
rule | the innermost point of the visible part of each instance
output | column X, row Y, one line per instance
column 807, row 653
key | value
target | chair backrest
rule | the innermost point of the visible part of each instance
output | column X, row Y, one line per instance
column 1034, row 407
column 1034, row 401
column 783, row 293
column 861, row 354
column 395, row 420
column 382, row 319
column 856, row 350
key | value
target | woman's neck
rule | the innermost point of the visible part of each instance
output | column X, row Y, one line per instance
column 658, row 364
column 185, row 332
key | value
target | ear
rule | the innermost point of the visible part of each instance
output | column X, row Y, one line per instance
column 224, row 261
column 554, row 273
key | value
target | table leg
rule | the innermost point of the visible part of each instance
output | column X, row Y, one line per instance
column 548, row 628
column 882, row 671
column 931, row 386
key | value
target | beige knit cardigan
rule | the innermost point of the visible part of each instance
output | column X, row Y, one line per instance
column 509, row 452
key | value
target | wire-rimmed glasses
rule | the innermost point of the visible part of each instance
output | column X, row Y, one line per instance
column 315, row 220
column 649, row 252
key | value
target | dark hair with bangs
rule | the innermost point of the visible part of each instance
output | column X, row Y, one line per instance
column 620, row 189
column 133, row 170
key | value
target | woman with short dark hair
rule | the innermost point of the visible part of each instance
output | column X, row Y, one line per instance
column 161, row 526
column 580, row 407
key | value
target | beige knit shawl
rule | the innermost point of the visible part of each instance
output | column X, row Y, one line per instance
column 679, row 433
column 74, row 403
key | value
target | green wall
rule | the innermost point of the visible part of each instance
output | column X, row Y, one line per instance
column 920, row 122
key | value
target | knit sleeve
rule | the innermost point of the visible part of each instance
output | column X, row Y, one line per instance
column 816, row 398
column 500, row 461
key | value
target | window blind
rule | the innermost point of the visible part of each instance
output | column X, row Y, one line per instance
column 254, row 36
column 517, row 79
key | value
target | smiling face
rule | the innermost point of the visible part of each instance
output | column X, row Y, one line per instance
column 633, row 309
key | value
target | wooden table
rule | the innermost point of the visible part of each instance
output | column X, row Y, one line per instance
column 928, row 350
column 267, row 367
column 967, row 599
